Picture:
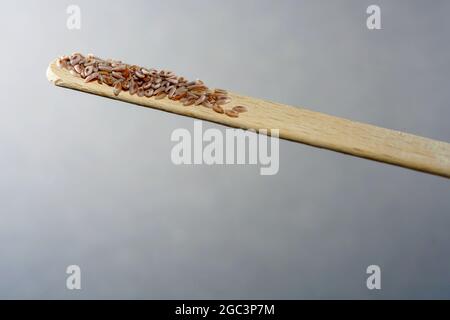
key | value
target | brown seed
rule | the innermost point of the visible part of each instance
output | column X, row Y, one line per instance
column 126, row 85
column 160, row 89
column 117, row 88
column 218, row 109
column 172, row 92
column 140, row 92
column 104, row 68
column 207, row 104
column 108, row 80
column 161, row 95
column 93, row 76
column 78, row 68
column 223, row 101
column 239, row 109
column 197, row 86
column 170, row 88
column 177, row 97
column 89, row 62
column 181, row 90
column 188, row 102
column 126, row 73
column 117, row 75
column 133, row 87
column 148, row 93
column 231, row 113
column 220, row 91
column 119, row 68
column 146, row 72
column 139, row 74
column 88, row 71
column 76, row 58
column 200, row 100
column 218, row 96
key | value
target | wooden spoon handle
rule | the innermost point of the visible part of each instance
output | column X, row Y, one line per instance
column 296, row 124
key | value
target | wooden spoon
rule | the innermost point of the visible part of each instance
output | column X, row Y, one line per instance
column 296, row 124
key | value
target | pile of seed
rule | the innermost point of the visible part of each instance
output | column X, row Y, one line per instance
column 147, row 82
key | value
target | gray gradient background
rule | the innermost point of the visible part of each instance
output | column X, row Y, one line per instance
column 89, row 181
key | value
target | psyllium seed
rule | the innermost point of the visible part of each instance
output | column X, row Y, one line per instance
column 218, row 109
column 117, row 88
column 231, row 113
column 189, row 102
column 240, row 109
column 146, row 82
column 161, row 95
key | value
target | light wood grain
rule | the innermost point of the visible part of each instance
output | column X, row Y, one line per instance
column 297, row 124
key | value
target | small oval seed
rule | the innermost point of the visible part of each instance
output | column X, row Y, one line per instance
column 119, row 68
column 88, row 71
column 207, row 104
column 139, row 74
column 240, row 109
column 117, row 75
column 232, row 114
column 189, row 102
column 133, row 87
column 222, row 91
column 148, row 93
column 169, row 88
column 126, row 85
column 145, row 71
column 93, row 76
column 117, row 88
column 223, row 101
column 75, row 59
column 172, row 92
column 104, row 68
column 218, row 109
column 161, row 95
column 160, row 89
column 78, row 68
column 200, row 100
